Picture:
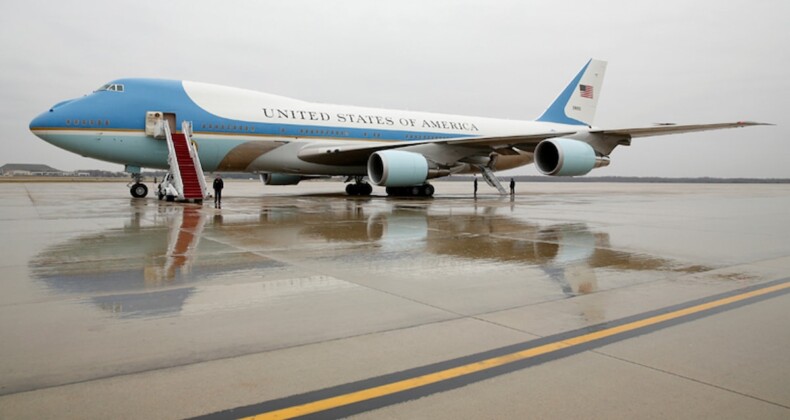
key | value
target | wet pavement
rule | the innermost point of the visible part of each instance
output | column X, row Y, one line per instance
column 141, row 308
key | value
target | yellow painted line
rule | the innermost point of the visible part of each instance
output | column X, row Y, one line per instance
column 431, row 378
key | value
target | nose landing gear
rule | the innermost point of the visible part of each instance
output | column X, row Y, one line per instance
column 137, row 188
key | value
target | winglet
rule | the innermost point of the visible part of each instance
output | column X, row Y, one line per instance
column 576, row 104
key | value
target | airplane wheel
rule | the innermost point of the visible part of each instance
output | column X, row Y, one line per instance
column 404, row 191
column 161, row 196
column 171, row 198
column 359, row 189
column 428, row 190
column 139, row 190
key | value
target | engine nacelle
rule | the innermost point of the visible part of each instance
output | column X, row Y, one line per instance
column 567, row 157
column 280, row 179
column 396, row 168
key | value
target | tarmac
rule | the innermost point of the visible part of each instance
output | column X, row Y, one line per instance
column 566, row 300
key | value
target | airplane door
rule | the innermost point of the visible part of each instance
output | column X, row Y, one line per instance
column 154, row 126
column 171, row 121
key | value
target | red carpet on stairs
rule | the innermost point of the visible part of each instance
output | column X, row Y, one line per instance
column 189, row 175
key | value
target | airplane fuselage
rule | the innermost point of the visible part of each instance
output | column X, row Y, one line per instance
column 244, row 130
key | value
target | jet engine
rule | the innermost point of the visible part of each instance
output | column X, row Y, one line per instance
column 396, row 168
column 567, row 157
column 280, row 179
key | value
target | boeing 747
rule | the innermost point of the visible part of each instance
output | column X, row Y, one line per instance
column 288, row 140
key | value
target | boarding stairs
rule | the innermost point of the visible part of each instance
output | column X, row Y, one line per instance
column 491, row 179
column 185, row 169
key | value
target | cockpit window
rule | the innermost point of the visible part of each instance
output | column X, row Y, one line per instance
column 112, row 87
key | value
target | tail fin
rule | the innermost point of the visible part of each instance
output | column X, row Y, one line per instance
column 576, row 104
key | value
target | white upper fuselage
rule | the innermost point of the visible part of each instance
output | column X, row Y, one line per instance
column 244, row 130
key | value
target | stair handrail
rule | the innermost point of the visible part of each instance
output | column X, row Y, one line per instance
column 172, row 160
column 186, row 128
column 491, row 179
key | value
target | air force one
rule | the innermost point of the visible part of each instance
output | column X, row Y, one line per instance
column 135, row 122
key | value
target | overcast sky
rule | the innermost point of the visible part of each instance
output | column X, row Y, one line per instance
column 669, row 61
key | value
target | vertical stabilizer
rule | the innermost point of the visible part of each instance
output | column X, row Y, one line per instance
column 576, row 104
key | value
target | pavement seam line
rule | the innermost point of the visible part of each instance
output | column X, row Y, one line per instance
column 688, row 378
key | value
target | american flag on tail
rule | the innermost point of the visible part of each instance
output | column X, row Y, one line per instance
column 586, row 91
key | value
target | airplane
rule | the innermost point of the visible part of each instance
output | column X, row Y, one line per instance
column 287, row 140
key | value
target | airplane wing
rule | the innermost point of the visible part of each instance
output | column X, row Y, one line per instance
column 358, row 154
column 664, row 129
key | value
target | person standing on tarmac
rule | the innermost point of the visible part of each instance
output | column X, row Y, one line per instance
column 218, row 186
column 512, row 186
column 475, row 184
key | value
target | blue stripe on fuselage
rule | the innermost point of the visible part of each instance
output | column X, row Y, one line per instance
column 126, row 111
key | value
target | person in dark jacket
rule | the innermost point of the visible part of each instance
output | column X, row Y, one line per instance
column 218, row 186
column 512, row 186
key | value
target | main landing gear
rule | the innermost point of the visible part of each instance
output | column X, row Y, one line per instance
column 138, row 189
column 425, row 190
column 359, row 188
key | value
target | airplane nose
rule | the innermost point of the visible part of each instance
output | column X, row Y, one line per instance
column 49, row 118
column 39, row 121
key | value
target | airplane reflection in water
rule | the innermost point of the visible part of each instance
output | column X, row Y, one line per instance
column 156, row 254
column 157, row 264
